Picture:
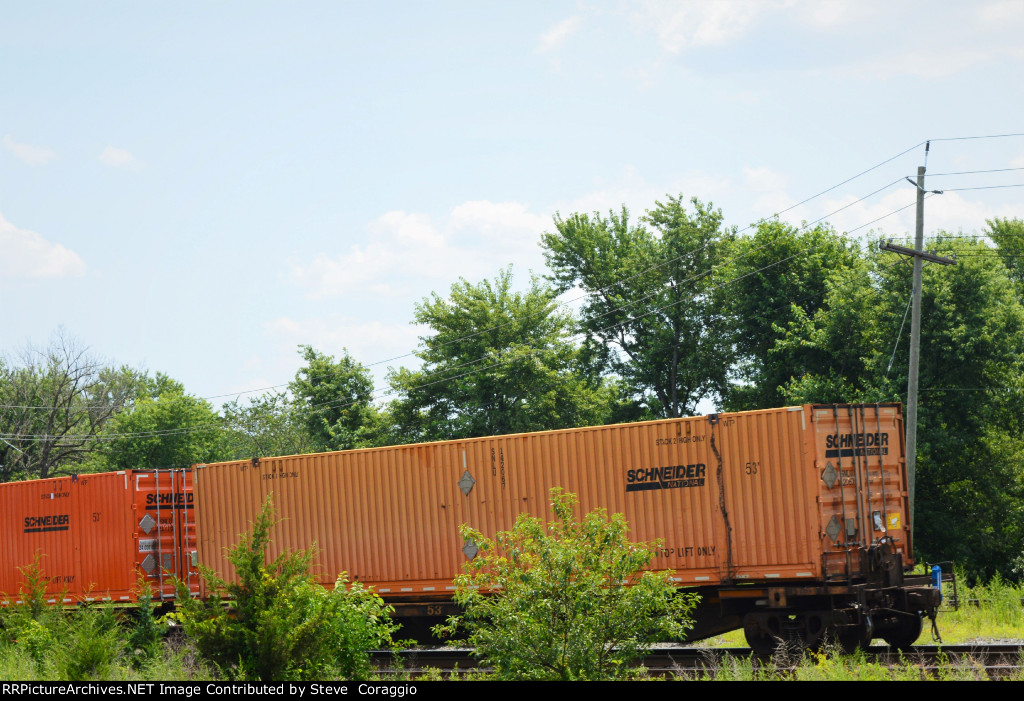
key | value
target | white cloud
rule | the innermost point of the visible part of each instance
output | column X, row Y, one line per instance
column 33, row 155
column 952, row 212
column 506, row 224
column 28, row 255
column 770, row 196
column 1000, row 13
column 119, row 158
column 558, row 34
column 929, row 64
column 680, row 26
column 825, row 14
column 407, row 254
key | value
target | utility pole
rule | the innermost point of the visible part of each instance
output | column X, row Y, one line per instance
column 919, row 255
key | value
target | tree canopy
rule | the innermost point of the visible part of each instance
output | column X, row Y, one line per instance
column 497, row 361
column 334, row 400
column 654, row 302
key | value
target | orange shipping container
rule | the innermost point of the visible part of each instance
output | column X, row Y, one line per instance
column 793, row 494
column 93, row 534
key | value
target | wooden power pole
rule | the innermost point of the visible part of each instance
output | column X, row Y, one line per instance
column 919, row 255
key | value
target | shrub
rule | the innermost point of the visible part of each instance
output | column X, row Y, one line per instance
column 146, row 631
column 91, row 645
column 563, row 600
column 31, row 624
column 276, row 623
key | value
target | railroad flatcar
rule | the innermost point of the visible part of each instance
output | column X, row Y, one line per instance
column 792, row 523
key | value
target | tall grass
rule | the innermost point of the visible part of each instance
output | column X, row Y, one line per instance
column 991, row 611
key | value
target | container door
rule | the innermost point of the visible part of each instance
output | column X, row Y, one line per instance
column 165, row 530
column 863, row 497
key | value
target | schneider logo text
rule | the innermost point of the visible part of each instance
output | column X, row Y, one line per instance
column 52, row 522
column 671, row 477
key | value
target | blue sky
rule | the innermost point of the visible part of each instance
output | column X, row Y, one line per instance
column 197, row 188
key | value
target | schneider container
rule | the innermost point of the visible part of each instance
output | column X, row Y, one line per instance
column 792, row 522
column 93, row 536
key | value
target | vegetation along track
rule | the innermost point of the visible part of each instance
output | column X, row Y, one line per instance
column 996, row 660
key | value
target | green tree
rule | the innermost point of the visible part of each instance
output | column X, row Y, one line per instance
column 565, row 600
column 163, row 428
column 654, row 304
column 497, row 362
column 267, row 425
column 969, row 482
column 334, row 399
column 54, row 404
column 780, row 275
column 1009, row 237
column 274, row 622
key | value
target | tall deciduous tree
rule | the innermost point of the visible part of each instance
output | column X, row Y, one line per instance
column 334, row 399
column 969, row 483
column 780, row 275
column 266, row 425
column 498, row 361
column 163, row 428
column 654, row 303
column 53, row 405
column 1009, row 237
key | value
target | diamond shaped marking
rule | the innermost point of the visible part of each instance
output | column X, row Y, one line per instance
column 833, row 528
column 149, row 564
column 147, row 523
column 466, row 483
column 830, row 475
column 470, row 549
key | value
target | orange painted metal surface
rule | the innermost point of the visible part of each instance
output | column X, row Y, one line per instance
column 740, row 497
column 93, row 534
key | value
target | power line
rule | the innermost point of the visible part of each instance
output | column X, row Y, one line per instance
column 986, row 187
column 972, row 172
column 968, row 138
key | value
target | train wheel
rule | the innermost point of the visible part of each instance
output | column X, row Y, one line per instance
column 760, row 644
column 904, row 635
column 851, row 637
column 850, row 641
column 762, row 634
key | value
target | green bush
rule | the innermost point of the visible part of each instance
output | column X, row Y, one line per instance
column 31, row 625
column 91, row 646
column 146, row 631
column 276, row 623
column 564, row 600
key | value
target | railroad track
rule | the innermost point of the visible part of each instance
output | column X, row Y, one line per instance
column 994, row 660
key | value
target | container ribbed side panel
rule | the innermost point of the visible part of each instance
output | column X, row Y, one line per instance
column 745, row 509
column 36, row 520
